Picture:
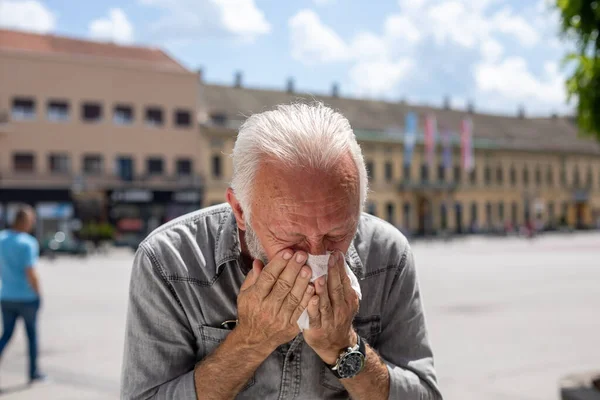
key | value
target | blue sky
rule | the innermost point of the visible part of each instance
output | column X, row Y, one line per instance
column 499, row 54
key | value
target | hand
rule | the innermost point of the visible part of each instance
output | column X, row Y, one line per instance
column 331, row 312
column 271, row 300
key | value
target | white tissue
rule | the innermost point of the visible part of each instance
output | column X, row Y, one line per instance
column 319, row 267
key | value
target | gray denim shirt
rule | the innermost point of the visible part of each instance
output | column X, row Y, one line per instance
column 184, row 284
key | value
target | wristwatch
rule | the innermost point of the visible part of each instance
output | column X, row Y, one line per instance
column 351, row 361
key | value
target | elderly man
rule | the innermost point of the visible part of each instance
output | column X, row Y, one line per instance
column 216, row 295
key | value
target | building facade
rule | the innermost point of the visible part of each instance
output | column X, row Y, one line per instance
column 526, row 170
column 96, row 131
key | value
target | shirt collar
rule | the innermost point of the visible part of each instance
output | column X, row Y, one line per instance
column 228, row 247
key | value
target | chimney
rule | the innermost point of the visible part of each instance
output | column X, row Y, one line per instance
column 447, row 103
column 200, row 74
column 471, row 107
column 290, row 85
column 335, row 90
column 521, row 112
column 238, row 79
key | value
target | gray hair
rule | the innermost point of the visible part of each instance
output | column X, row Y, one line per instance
column 300, row 136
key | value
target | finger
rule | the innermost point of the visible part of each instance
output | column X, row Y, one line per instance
column 324, row 302
column 308, row 294
column 350, row 295
column 284, row 284
column 271, row 272
column 314, row 315
column 334, row 282
column 252, row 276
column 294, row 297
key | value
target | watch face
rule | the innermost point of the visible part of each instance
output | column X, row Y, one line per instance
column 351, row 364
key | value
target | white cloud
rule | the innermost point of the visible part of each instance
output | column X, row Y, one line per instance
column 114, row 28
column 314, row 42
column 484, row 37
column 513, row 80
column 193, row 19
column 376, row 78
column 491, row 49
column 400, row 27
column 28, row 15
column 506, row 22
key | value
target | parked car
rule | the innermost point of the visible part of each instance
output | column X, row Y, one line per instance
column 60, row 243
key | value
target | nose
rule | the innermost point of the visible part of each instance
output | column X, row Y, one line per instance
column 316, row 247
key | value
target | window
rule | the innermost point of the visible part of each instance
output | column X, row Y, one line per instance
column 488, row 175
column 58, row 111
column 218, row 118
column 565, row 210
column 549, row 176
column 551, row 213
column 390, row 213
column 499, row 175
column 216, row 166
column 93, row 164
column 513, row 176
column 473, row 176
column 125, row 168
column 538, row 176
column 576, row 178
column 473, row 213
column 457, row 173
column 183, row 118
column 154, row 116
column 372, row 208
column 501, row 211
column 91, row 112
column 525, row 176
column 59, row 163
column 441, row 173
column 514, row 212
column 406, row 216
column 389, row 172
column 184, row 167
column 406, row 172
column 590, row 178
column 488, row 213
column 370, row 170
column 24, row 162
column 424, row 172
column 444, row 217
column 23, row 108
column 563, row 176
column 155, row 166
column 123, row 115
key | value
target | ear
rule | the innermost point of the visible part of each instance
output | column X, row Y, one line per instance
column 237, row 209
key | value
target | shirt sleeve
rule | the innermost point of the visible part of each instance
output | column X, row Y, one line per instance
column 403, row 342
column 159, row 356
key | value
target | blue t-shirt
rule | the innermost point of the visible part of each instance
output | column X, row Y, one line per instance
column 18, row 251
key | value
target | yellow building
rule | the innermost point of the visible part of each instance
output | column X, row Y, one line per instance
column 526, row 169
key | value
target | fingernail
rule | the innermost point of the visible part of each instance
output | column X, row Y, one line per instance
column 304, row 273
column 310, row 289
column 332, row 259
column 300, row 257
column 322, row 281
column 315, row 301
column 287, row 255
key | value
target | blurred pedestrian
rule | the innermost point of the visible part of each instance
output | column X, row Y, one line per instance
column 20, row 290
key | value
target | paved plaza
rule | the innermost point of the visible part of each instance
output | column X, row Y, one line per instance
column 508, row 317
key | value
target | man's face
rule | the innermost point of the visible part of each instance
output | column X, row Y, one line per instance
column 303, row 210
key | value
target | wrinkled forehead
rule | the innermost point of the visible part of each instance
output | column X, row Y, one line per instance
column 314, row 199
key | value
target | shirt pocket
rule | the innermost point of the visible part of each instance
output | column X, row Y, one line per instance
column 209, row 339
column 368, row 328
